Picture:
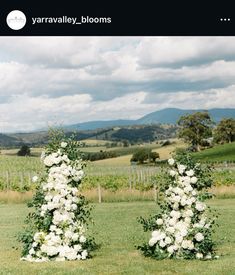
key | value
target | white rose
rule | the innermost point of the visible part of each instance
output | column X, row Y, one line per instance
column 187, row 220
column 44, row 207
column 170, row 229
column 34, row 244
column 183, row 232
column 162, row 243
column 167, row 240
column 188, row 189
column 172, row 173
column 175, row 214
column 152, row 241
column 68, row 234
column 185, row 244
column 84, row 254
column 190, row 173
column 159, row 221
column 171, row 161
column 77, row 247
column 177, row 198
column 72, row 255
column 53, row 228
column 181, row 168
column 75, row 237
column 183, row 202
column 199, row 256
column 188, row 213
column 65, row 158
column 172, row 221
column 186, row 180
column 200, row 206
column 31, row 251
column 170, row 249
column 48, row 161
column 34, row 178
column 156, row 233
column 189, row 202
column 74, row 207
column 199, row 237
column 63, row 144
column 190, row 245
column 60, row 259
column 82, row 239
column 179, row 239
column 193, row 180
column 57, row 160
column 42, row 214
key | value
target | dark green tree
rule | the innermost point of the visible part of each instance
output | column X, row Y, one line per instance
column 153, row 156
column 194, row 128
column 225, row 131
column 141, row 155
column 24, row 150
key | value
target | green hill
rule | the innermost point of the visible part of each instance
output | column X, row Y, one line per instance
column 221, row 153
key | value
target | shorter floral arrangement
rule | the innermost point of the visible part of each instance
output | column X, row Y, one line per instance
column 184, row 227
column 57, row 226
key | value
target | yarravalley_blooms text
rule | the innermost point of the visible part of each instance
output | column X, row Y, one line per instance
column 182, row 229
column 57, row 228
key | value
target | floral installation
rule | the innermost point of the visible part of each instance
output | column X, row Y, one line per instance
column 184, row 227
column 57, row 227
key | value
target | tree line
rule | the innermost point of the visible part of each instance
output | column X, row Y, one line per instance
column 198, row 129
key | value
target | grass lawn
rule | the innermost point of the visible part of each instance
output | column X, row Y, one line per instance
column 118, row 232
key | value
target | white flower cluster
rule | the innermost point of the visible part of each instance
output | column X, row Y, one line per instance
column 181, row 227
column 65, row 239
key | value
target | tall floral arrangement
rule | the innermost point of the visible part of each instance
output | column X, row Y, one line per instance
column 57, row 226
column 184, row 226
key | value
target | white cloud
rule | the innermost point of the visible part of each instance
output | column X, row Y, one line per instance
column 73, row 79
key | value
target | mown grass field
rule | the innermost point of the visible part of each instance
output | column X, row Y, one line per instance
column 117, row 231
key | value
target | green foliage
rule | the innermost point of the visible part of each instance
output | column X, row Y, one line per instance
column 153, row 156
column 109, row 182
column 24, row 151
column 202, row 171
column 195, row 127
column 224, row 177
column 225, row 131
column 219, row 153
column 143, row 133
column 141, row 155
column 93, row 156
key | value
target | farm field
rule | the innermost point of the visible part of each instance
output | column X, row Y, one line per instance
column 164, row 153
column 225, row 152
column 116, row 173
column 117, row 231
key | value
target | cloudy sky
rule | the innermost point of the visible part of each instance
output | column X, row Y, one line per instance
column 66, row 80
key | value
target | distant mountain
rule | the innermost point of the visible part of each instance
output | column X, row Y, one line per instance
column 171, row 115
column 165, row 116
column 6, row 141
column 146, row 128
column 92, row 125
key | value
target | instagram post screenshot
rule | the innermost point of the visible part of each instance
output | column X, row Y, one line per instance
column 117, row 138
